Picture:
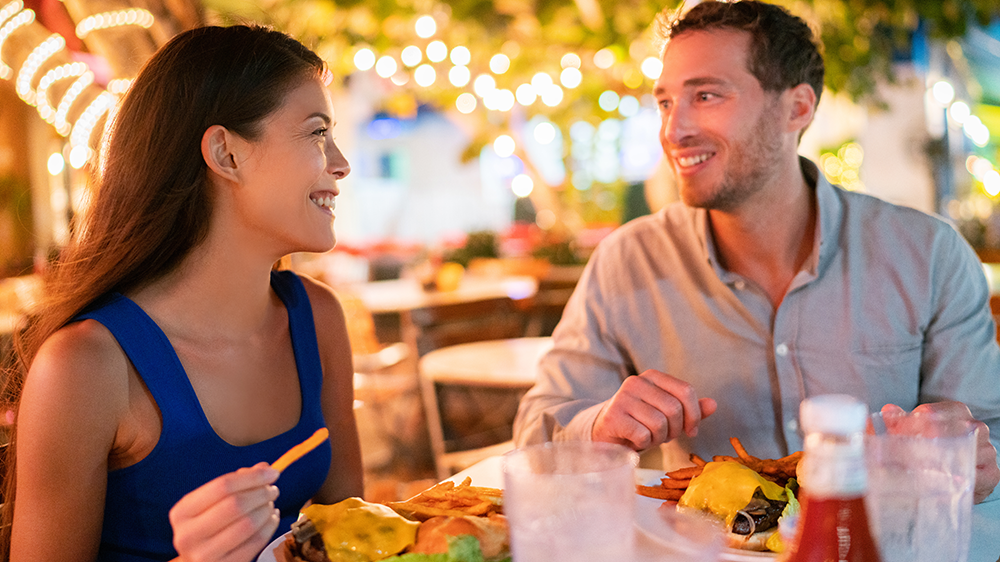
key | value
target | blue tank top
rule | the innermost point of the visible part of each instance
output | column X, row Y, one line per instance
column 189, row 453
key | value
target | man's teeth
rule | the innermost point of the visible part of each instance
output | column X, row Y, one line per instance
column 692, row 160
column 330, row 202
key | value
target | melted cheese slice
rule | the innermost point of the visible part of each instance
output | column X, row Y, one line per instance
column 725, row 488
column 357, row 530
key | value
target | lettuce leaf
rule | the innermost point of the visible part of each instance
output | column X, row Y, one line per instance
column 789, row 518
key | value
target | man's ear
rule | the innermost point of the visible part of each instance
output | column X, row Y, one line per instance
column 802, row 106
column 219, row 149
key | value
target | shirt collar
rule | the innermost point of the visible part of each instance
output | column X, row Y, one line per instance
column 827, row 228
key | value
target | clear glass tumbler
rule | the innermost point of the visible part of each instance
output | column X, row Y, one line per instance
column 571, row 500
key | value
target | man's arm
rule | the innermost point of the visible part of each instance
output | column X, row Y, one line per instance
column 584, row 389
column 961, row 358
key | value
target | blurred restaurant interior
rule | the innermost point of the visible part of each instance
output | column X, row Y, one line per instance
column 492, row 146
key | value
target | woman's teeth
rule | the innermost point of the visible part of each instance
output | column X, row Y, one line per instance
column 687, row 161
column 328, row 202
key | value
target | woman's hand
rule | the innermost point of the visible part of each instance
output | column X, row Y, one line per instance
column 231, row 518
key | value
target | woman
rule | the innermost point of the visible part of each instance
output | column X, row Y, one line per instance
column 170, row 364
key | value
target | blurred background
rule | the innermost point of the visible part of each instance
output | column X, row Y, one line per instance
column 492, row 139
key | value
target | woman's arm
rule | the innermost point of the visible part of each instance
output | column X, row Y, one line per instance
column 75, row 396
column 345, row 478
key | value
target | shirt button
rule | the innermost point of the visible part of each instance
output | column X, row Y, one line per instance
column 740, row 285
column 792, row 425
column 781, row 350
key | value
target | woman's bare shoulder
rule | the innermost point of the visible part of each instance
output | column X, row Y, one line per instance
column 322, row 298
column 82, row 359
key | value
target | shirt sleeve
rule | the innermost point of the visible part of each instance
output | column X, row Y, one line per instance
column 961, row 358
column 583, row 370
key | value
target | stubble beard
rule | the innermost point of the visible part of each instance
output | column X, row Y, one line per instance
column 753, row 163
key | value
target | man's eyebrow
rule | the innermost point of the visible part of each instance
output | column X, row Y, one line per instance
column 694, row 83
column 705, row 81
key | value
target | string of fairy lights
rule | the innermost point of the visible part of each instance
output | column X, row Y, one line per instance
column 14, row 16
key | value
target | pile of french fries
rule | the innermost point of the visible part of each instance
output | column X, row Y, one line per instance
column 448, row 498
column 676, row 482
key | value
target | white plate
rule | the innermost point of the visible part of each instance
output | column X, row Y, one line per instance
column 653, row 525
column 268, row 554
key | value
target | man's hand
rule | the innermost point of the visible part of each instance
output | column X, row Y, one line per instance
column 650, row 409
column 230, row 518
column 987, row 471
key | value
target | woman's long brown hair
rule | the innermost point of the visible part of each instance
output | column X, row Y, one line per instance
column 152, row 203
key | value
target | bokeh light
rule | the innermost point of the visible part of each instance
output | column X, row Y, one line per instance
column 466, row 103
column 522, row 185
column 504, row 146
column 459, row 76
column 461, row 56
column 425, row 26
column 364, row 59
column 570, row 77
column 499, row 64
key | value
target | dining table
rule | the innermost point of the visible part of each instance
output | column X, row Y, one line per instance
column 405, row 295
column 652, row 547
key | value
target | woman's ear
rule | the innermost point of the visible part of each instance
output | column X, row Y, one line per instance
column 218, row 148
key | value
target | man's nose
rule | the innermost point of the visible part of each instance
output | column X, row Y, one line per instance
column 678, row 125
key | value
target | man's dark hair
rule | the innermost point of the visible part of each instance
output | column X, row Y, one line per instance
column 783, row 50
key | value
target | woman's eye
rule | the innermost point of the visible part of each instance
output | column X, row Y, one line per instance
column 321, row 132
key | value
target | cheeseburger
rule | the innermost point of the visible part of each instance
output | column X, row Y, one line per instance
column 358, row 531
column 748, row 504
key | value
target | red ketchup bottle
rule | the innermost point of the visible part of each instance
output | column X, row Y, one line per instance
column 833, row 525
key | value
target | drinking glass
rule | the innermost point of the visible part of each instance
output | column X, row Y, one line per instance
column 570, row 500
column 922, row 470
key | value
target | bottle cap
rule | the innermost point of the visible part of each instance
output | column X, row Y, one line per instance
column 839, row 414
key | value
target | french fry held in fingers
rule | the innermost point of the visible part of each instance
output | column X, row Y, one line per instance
column 300, row 450
column 448, row 498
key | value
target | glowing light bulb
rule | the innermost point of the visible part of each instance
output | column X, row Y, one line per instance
column 424, row 75
column 437, row 51
column 56, row 164
column 525, row 94
column 425, row 26
column 411, row 55
column 364, row 59
column 459, row 76
column 483, row 85
column 545, row 132
column 504, row 146
column 521, row 185
column 499, row 64
column 466, row 103
column 386, row 66
column 608, row 100
column 461, row 56
column 959, row 111
column 604, row 58
column 652, row 67
column 570, row 60
column 943, row 92
column 570, row 77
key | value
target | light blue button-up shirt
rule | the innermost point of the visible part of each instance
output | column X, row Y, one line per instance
column 890, row 307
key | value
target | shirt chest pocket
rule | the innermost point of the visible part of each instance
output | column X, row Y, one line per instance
column 878, row 371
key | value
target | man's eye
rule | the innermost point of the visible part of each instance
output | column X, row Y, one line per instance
column 706, row 96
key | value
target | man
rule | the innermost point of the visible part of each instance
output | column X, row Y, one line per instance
column 766, row 284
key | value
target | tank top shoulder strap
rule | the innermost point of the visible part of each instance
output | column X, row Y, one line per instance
column 154, row 358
